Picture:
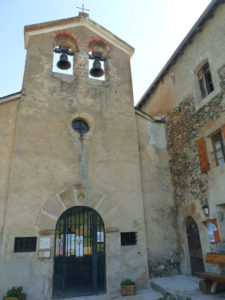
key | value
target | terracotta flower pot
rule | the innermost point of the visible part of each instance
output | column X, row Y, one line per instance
column 22, row 297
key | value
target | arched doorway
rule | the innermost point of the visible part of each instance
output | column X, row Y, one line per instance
column 79, row 259
column 194, row 245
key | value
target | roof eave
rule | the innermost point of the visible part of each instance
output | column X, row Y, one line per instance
column 10, row 97
column 81, row 20
column 208, row 13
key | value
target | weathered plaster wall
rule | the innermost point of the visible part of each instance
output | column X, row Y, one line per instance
column 181, row 80
column 8, row 112
column 54, row 168
column 159, row 206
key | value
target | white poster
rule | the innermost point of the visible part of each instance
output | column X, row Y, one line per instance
column 100, row 236
column 211, row 228
column 45, row 242
column 70, row 244
column 59, row 245
column 45, row 254
column 79, row 246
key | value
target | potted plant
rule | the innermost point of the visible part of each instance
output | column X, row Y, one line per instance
column 15, row 293
column 127, row 287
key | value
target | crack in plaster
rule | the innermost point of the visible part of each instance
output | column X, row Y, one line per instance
column 83, row 168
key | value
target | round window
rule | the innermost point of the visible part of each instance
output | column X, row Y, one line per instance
column 80, row 126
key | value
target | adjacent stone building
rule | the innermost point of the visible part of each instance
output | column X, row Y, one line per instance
column 93, row 190
column 189, row 94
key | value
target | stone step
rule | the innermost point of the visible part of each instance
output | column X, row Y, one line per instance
column 181, row 287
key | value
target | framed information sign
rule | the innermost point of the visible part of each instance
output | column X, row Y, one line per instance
column 44, row 254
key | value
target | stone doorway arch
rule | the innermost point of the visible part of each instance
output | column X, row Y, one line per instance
column 194, row 246
column 79, row 256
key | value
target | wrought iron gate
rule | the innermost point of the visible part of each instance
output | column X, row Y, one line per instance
column 79, row 260
column 194, row 244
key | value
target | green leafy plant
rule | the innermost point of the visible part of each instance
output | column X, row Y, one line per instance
column 126, row 282
column 14, row 292
column 167, row 296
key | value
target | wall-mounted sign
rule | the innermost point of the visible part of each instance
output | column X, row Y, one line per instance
column 44, row 254
column 44, row 251
column 213, row 231
column 45, row 242
column 211, row 228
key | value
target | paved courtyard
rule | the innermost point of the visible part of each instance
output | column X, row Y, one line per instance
column 180, row 286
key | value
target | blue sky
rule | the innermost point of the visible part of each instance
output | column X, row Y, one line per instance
column 153, row 27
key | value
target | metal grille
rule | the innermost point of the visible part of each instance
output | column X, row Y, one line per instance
column 79, row 262
column 128, row 238
column 25, row 244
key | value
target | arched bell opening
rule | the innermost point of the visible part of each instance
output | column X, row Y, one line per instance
column 63, row 60
column 65, row 46
column 96, row 65
column 194, row 246
column 98, row 53
column 79, row 256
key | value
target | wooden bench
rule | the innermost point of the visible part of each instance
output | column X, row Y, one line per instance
column 213, row 282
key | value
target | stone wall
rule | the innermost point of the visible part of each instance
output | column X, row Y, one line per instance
column 192, row 188
column 184, row 125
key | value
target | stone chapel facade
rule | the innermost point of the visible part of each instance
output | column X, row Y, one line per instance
column 94, row 190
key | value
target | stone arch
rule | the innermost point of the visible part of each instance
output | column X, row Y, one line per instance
column 194, row 211
column 194, row 246
column 56, row 205
column 79, row 245
column 66, row 38
column 98, row 44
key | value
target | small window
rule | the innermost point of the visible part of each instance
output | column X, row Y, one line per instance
column 218, row 148
column 25, row 244
column 80, row 126
column 205, row 80
column 128, row 238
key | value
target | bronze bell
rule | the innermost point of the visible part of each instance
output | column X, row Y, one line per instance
column 96, row 70
column 63, row 62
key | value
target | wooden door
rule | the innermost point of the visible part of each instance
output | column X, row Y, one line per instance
column 194, row 245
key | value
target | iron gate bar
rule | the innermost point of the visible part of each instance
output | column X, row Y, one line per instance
column 80, row 268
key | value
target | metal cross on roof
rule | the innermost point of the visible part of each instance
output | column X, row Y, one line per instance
column 82, row 8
